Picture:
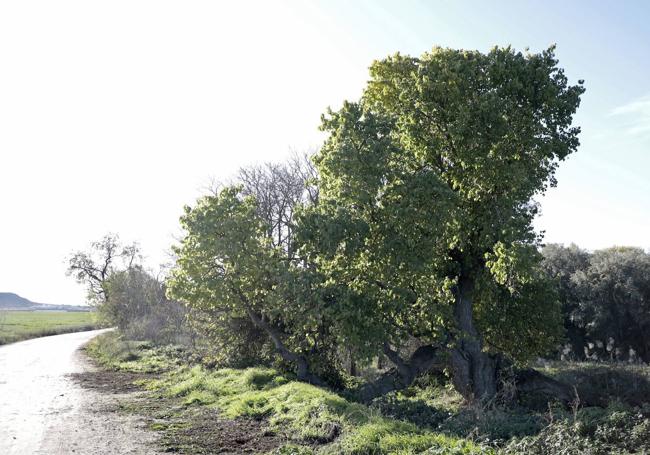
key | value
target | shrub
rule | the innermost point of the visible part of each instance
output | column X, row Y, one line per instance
column 617, row 429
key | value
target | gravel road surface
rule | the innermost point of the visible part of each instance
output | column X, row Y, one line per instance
column 44, row 411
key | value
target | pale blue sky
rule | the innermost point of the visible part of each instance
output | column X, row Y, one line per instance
column 114, row 115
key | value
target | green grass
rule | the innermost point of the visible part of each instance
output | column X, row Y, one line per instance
column 22, row 325
column 313, row 420
column 112, row 351
column 599, row 383
column 429, row 418
column 305, row 414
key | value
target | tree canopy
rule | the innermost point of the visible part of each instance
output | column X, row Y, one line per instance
column 426, row 201
column 421, row 228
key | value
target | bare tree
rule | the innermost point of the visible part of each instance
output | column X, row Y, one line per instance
column 279, row 189
column 94, row 266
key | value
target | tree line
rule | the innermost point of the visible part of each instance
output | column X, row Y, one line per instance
column 407, row 237
column 605, row 298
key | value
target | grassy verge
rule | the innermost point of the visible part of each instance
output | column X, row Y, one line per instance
column 195, row 407
column 305, row 414
column 114, row 352
column 22, row 325
column 306, row 419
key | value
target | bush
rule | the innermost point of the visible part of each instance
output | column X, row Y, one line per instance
column 598, row 384
column 137, row 305
column 617, row 429
column 113, row 351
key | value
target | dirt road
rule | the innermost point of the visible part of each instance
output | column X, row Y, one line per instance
column 43, row 411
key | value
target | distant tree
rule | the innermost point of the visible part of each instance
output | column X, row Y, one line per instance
column 605, row 299
column 561, row 264
column 137, row 305
column 425, row 208
column 94, row 266
column 131, row 292
column 615, row 300
column 124, row 293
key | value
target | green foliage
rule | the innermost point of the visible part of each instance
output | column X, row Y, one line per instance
column 596, row 431
column 615, row 292
column 136, row 304
column 430, row 176
column 125, row 294
column 223, row 264
column 228, row 269
column 425, row 187
column 22, row 325
column 606, row 300
column 523, row 321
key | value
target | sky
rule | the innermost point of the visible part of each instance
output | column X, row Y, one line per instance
column 114, row 115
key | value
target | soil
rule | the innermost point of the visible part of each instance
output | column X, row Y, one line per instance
column 98, row 424
column 55, row 401
column 109, row 381
column 208, row 433
column 170, row 426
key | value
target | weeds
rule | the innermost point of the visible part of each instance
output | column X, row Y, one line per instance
column 112, row 351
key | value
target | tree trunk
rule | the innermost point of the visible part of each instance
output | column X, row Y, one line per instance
column 300, row 361
column 402, row 376
column 353, row 364
column 474, row 372
column 535, row 390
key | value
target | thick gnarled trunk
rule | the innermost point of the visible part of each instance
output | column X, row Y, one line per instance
column 424, row 359
column 477, row 374
column 474, row 372
column 303, row 372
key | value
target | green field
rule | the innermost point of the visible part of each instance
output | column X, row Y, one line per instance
column 21, row 325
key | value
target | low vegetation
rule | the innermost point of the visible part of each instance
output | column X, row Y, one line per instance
column 113, row 351
column 22, row 325
column 428, row 417
column 308, row 418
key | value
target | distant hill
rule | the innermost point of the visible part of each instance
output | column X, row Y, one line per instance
column 11, row 301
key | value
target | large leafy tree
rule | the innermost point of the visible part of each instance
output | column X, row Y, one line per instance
column 426, row 205
column 277, row 189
